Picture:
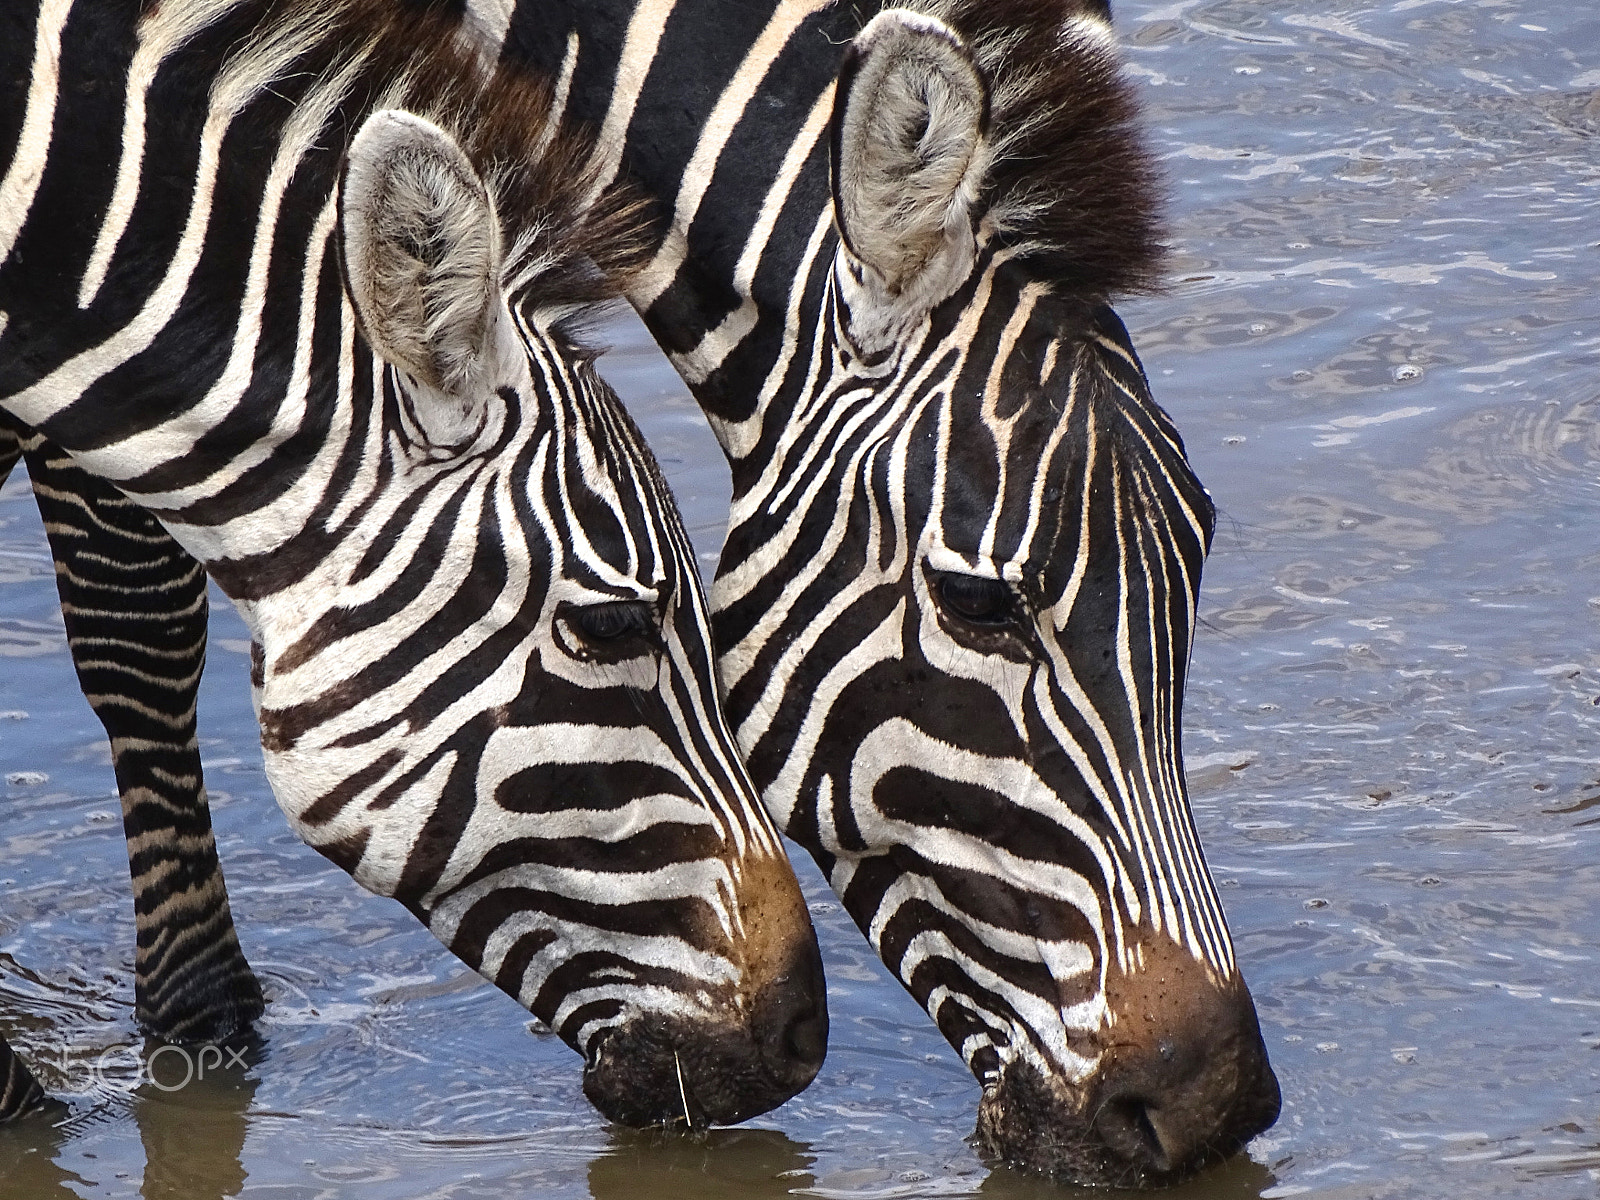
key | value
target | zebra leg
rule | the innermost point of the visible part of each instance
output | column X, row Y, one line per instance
column 19, row 1091
column 135, row 609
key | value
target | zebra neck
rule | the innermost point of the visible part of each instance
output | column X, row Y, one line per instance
column 735, row 153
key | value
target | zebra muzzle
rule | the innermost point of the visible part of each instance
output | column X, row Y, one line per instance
column 1183, row 1081
column 672, row 1071
column 747, row 1055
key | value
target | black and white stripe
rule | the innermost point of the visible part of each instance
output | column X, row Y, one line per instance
column 956, row 602
column 296, row 279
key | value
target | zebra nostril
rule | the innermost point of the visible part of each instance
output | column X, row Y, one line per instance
column 1126, row 1125
column 793, row 1035
column 791, row 1020
column 806, row 1039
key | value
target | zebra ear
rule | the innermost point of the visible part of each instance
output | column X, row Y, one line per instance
column 421, row 252
column 909, row 153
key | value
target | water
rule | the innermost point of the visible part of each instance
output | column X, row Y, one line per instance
column 1383, row 348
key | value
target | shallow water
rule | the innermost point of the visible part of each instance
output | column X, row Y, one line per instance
column 1384, row 352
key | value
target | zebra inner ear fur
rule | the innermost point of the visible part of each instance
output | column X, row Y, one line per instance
column 422, row 258
column 909, row 154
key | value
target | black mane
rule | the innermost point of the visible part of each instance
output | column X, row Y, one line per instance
column 569, row 243
column 1073, row 185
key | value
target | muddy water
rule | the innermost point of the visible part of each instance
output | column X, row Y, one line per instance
column 1383, row 348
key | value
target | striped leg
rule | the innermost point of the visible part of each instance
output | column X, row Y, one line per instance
column 135, row 610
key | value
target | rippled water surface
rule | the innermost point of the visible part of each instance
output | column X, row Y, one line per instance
column 1383, row 348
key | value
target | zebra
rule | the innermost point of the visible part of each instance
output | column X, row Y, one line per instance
column 955, row 605
column 1034, row 963
column 300, row 281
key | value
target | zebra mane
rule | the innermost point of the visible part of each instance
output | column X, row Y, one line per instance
column 571, row 243
column 1072, row 184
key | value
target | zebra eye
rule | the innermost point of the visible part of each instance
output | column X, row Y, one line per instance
column 614, row 621
column 975, row 599
column 616, row 631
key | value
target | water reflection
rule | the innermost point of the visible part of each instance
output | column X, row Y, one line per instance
column 191, row 1118
column 29, row 1148
column 721, row 1164
column 189, row 1107
column 1238, row 1179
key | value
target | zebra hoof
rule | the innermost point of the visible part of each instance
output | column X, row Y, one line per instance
column 222, row 1012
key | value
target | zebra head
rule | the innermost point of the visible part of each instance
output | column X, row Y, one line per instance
column 958, row 595
column 500, row 705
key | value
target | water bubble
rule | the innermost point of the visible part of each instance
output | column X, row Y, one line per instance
column 27, row 778
column 1406, row 372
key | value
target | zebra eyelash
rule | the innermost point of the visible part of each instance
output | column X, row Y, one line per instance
column 612, row 631
column 984, row 614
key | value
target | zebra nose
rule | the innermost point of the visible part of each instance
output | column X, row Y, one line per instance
column 1185, row 1079
column 790, row 1019
column 1167, row 1116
